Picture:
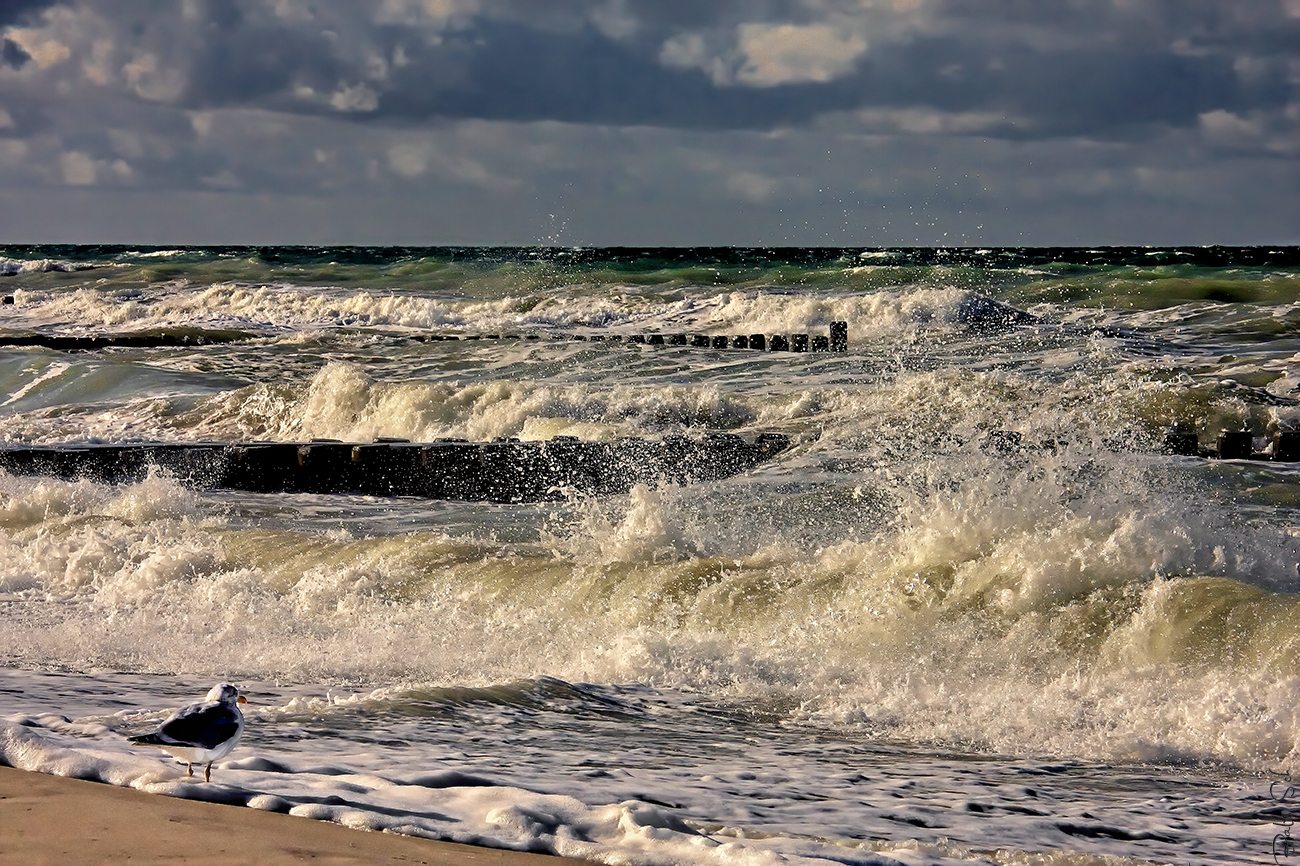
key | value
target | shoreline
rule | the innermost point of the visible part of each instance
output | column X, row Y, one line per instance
column 58, row 820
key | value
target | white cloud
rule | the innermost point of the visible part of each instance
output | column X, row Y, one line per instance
column 755, row 187
column 201, row 123
column 150, row 80
column 78, row 168
column 795, row 54
column 686, row 51
column 42, row 48
column 97, row 67
column 1225, row 128
column 12, row 151
column 1278, row 134
column 614, row 19
column 419, row 12
column 767, row 55
column 462, row 154
column 81, row 169
column 224, row 179
column 409, row 159
column 357, row 97
column 917, row 120
column 292, row 10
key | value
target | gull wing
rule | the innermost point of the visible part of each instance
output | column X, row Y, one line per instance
column 206, row 725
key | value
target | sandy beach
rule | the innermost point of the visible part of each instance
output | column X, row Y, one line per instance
column 56, row 820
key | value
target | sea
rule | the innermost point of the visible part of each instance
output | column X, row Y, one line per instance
column 981, row 611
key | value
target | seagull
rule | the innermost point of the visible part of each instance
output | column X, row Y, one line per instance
column 204, row 731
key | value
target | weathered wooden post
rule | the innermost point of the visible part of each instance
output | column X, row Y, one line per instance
column 1236, row 445
column 839, row 336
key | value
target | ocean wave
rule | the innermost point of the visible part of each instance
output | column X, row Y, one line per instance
column 1008, row 606
column 13, row 267
column 977, row 554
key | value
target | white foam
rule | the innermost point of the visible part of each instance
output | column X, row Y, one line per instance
column 497, row 816
column 1011, row 605
column 747, row 793
column 876, row 315
column 11, row 267
column 342, row 401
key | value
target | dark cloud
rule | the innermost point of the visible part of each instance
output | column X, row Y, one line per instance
column 509, row 72
column 1050, row 68
column 1117, row 90
column 729, row 120
column 12, row 54
column 1085, row 67
column 1105, row 93
column 242, row 68
column 15, row 11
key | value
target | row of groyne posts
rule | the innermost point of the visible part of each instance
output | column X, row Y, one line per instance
column 836, row 341
column 1283, row 446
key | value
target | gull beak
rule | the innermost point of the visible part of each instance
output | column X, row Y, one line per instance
column 242, row 699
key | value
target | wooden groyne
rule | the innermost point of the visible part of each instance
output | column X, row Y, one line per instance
column 505, row 470
column 501, row 471
column 1282, row 446
column 836, row 340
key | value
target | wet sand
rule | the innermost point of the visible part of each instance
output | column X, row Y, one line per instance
column 55, row 820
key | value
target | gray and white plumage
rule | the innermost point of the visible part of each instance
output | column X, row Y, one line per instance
column 202, row 732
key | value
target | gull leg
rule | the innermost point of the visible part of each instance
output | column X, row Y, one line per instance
column 207, row 774
column 189, row 769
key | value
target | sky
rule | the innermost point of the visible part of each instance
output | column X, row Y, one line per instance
column 650, row 122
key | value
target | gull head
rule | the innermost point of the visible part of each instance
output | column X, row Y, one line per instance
column 226, row 693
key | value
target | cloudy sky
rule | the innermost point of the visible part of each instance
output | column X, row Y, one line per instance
column 648, row 122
